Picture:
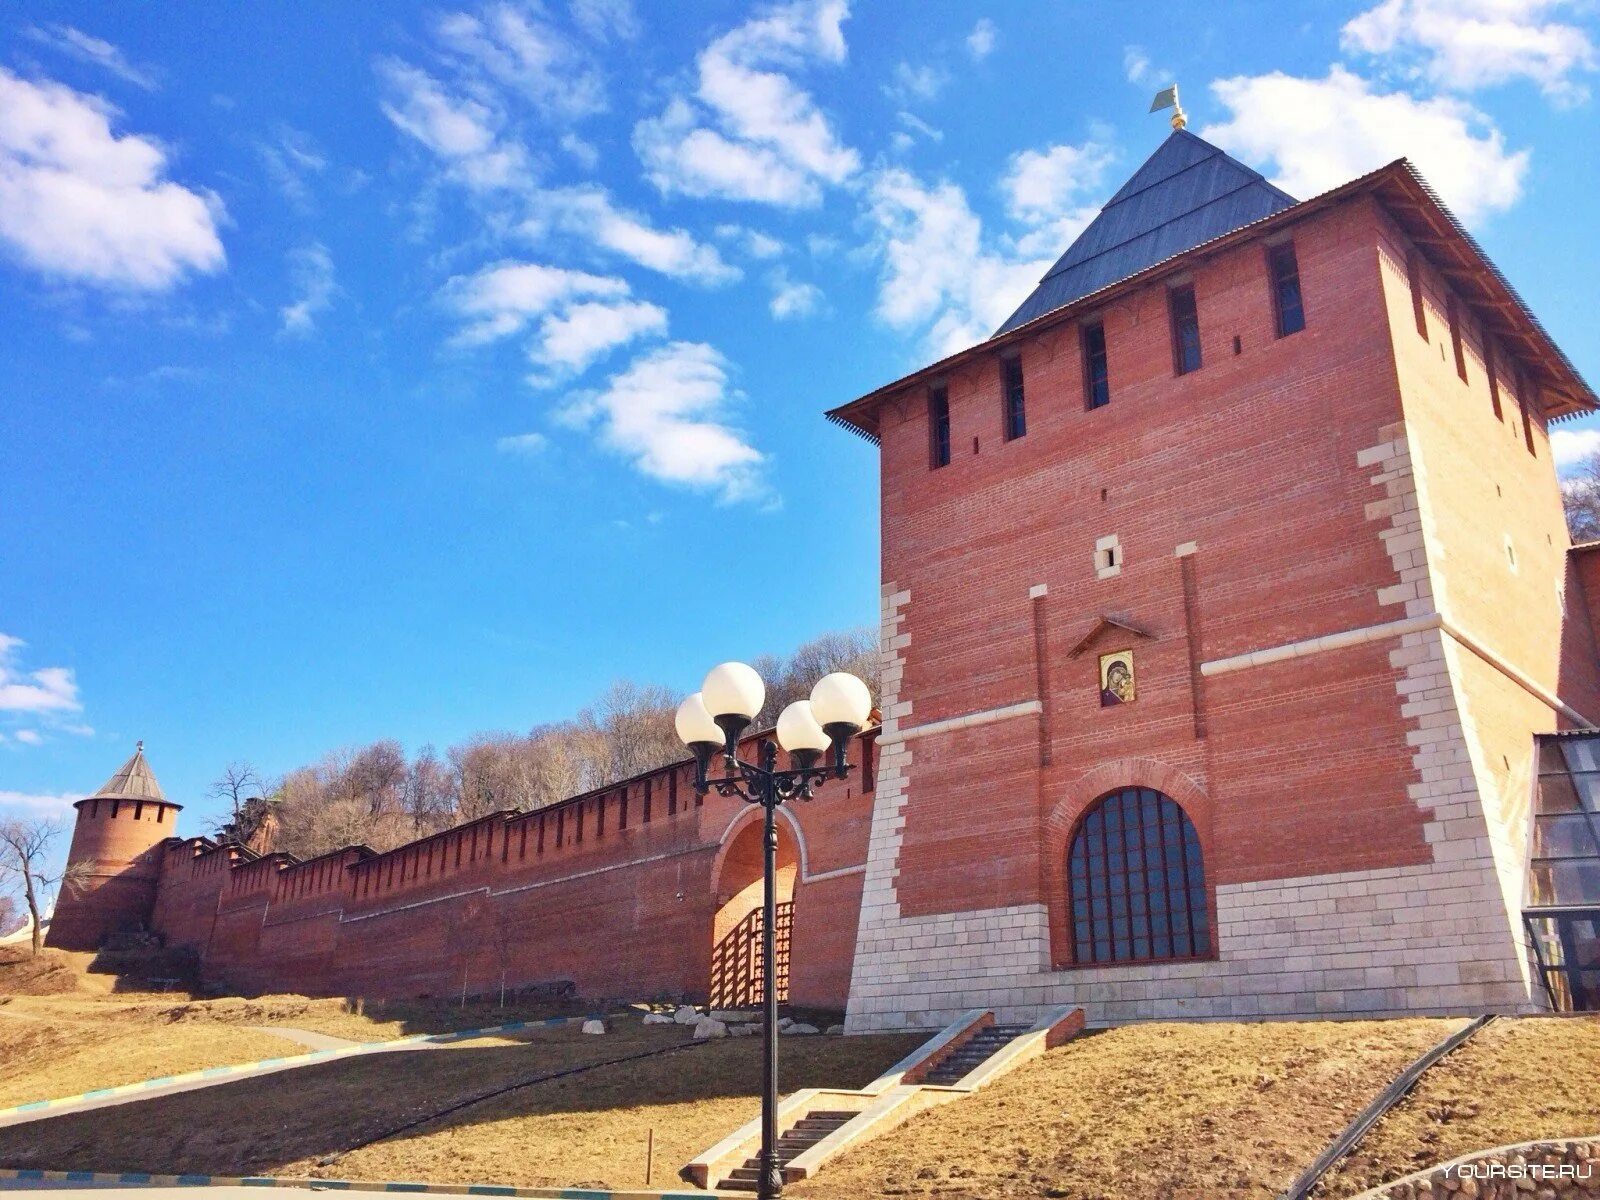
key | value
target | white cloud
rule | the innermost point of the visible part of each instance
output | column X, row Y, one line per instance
column 936, row 274
column 291, row 159
column 1136, row 65
column 1040, row 185
column 526, row 444
column 667, row 413
column 451, row 127
column 81, row 203
column 681, row 155
column 771, row 143
column 462, row 130
column 591, row 213
column 311, row 268
column 504, row 298
column 74, row 43
column 1055, row 193
column 46, row 690
column 752, row 241
column 43, row 804
column 917, row 124
column 37, row 700
column 585, row 332
column 1574, row 447
column 1463, row 45
column 605, row 19
column 582, row 152
column 792, row 300
column 1319, row 133
column 916, row 83
column 495, row 68
column 940, row 275
column 514, row 48
column 980, row 42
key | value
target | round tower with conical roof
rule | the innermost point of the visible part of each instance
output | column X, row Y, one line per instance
column 114, row 864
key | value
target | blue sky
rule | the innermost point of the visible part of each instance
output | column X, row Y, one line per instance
column 417, row 369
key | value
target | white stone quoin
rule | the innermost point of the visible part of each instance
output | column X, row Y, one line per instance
column 1439, row 938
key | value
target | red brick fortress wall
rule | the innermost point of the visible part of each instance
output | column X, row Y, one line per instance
column 615, row 891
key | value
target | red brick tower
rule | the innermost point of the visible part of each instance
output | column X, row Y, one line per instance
column 1226, row 597
column 113, row 863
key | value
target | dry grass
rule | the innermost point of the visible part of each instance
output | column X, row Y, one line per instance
column 355, row 1019
column 591, row 1130
column 40, row 1060
column 1516, row 1081
column 1176, row 1112
column 51, row 973
column 590, row 1127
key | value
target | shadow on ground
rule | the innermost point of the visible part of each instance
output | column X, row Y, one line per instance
column 263, row 1125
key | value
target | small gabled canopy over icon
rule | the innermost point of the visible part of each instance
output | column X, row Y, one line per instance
column 1102, row 624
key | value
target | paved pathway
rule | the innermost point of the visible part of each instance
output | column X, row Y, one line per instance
column 308, row 1038
column 178, row 1193
column 320, row 1044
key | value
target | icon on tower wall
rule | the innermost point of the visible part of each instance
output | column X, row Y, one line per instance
column 1116, row 678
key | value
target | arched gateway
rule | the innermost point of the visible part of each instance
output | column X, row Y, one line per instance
column 736, row 927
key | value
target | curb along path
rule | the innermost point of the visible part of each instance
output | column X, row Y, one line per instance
column 135, row 1179
column 190, row 1081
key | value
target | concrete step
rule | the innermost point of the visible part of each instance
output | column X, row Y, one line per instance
column 793, row 1142
column 972, row 1053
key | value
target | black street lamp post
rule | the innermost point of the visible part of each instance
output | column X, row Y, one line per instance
column 710, row 723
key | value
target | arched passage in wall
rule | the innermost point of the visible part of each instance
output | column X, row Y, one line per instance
column 736, row 925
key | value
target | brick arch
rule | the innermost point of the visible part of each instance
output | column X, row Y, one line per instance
column 741, row 820
column 1077, row 797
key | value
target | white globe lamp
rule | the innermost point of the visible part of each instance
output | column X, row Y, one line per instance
column 801, row 734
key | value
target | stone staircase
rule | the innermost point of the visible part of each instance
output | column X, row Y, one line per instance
column 816, row 1124
column 976, row 1050
column 792, row 1143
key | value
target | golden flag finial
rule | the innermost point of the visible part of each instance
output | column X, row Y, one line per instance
column 1167, row 97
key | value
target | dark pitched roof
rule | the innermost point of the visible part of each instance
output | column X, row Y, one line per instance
column 1421, row 215
column 1186, row 193
column 134, row 780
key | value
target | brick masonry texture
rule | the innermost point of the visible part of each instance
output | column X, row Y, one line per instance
column 1341, row 566
column 1360, row 791
column 619, row 892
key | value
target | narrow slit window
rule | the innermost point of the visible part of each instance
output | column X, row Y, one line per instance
column 1288, row 310
column 1096, row 372
column 1185, row 330
column 1491, row 368
column 1419, row 308
column 939, row 425
column 1526, row 403
column 1016, row 415
column 1453, row 316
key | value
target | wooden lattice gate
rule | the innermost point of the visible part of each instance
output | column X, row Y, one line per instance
column 736, row 961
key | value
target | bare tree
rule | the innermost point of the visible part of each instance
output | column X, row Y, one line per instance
column 238, row 782
column 373, row 795
column 1580, row 494
column 791, row 679
column 24, row 846
column 632, row 725
column 430, row 794
column 8, row 915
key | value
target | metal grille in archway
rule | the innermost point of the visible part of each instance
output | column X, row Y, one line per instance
column 736, row 961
